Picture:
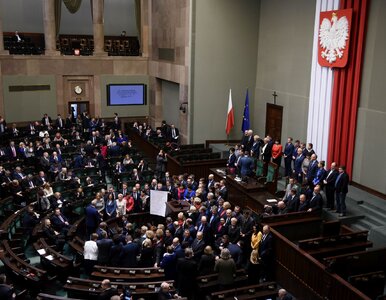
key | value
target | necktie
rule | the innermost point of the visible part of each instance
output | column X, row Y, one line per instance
column 13, row 152
column 61, row 218
column 31, row 184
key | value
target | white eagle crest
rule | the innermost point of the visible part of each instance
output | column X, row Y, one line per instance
column 333, row 36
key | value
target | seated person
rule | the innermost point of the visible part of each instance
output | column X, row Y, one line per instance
column 60, row 222
column 53, row 237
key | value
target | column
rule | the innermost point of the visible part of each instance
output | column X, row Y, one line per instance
column 2, row 51
column 49, row 27
column 98, row 27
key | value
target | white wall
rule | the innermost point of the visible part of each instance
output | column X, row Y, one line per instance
column 225, row 45
column 284, row 63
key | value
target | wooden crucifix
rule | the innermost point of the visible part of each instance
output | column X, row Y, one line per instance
column 274, row 97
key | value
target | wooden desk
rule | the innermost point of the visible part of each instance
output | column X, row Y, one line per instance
column 174, row 207
column 128, row 274
column 252, row 194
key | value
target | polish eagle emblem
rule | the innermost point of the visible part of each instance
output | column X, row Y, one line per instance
column 334, row 36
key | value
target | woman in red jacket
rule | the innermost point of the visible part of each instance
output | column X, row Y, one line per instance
column 277, row 152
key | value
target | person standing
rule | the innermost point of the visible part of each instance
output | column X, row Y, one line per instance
column 341, row 190
column 277, row 152
column 329, row 183
column 186, row 274
column 288, row 152
column 161, row 164
column 226, row 269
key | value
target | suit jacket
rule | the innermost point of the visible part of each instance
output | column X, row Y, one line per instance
column 341, row 183
column 331, row 178
column 266, row 247
column 104, row 248
column 57, row 223
column 92, row 216
column 198, row 247
column 246, row 166
column 186, row 275
column 169, row 263
column 303, row 206
column 288, row 150
column 298, row 164
column 292, row 203
column 312, row 170
column 316, row 202
column 44, row 121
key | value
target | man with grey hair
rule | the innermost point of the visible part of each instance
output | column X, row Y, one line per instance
column 108, row 291
column 186, row 274
column 165, row 293
column 226, row 269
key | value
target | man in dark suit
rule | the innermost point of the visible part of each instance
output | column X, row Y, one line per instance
column 316, row 201
column 108, row 291
column 288, row 151
column 292, row 201
column 93, row 218
column 266, row 253
column 245, row 165
column 298, row 162
column 223, row 192
column 129, row 253
column 60, row 222
column 41, row 179
column 341, row 190
column 59, row 122
column 255, row 150
column 173, row 134
column 186, row 274
column 46, row 121
column 303, row 203
column 104, row 248
column 312, row 170
column 329, row 183
column 198, row 246
column 12, row 151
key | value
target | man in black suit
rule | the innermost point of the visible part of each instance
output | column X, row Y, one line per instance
column 12, row 151
column 104, row 248
column 60, row 222
column 288, row 151
column 186, row 274
column 59, row 122
column 46, row 121
column 173, row 134
column 108, row 291
column 129, row 253
column 41, row 179
column 303, row 203
column 198, row 246
column 93, row 218
column 266, row 253
column 316, row 201
column 329, row 183
column 292, row 201
column 312, row 170
column 341, row 190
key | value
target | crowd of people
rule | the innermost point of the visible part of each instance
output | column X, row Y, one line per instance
column 211, row 237
column 311, row 185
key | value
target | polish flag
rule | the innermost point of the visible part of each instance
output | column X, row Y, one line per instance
column 230, row 115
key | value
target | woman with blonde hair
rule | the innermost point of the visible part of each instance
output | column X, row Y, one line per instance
column 253, row 267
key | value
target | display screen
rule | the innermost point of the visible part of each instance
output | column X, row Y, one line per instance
column 126, row 94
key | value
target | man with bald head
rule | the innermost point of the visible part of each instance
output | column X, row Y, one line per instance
column 108, row 291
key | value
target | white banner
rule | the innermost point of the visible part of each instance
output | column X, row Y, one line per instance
column 158, row 201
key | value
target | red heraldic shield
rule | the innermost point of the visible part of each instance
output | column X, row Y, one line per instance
column 334, row 38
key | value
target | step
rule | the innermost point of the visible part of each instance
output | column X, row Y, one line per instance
column 381, row 208
column 373, row 214
column 368, row 223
